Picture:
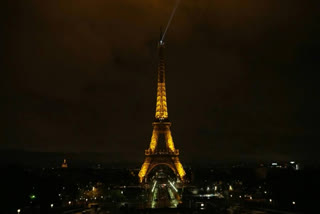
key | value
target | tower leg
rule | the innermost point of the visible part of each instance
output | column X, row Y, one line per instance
column 179, row 168
column 144, row 169
column 169, row 140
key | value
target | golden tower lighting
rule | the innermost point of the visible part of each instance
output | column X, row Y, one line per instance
column 161, row 126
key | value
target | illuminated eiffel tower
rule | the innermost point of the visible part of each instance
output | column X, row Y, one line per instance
column 169, row 155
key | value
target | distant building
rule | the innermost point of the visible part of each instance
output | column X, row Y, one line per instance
column 64, row 164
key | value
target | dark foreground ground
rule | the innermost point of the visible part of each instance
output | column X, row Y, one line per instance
column 212, row 189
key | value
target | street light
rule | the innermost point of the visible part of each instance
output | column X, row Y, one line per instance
column 51, row 205
column 18, row 211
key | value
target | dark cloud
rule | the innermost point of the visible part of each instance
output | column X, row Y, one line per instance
column 241, row 79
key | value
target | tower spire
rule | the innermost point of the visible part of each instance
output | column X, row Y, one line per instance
column 161, row 106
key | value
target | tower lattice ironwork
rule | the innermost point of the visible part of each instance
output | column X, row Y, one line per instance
column 154, row 155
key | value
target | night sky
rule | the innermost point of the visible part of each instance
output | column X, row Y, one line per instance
column 242, row 77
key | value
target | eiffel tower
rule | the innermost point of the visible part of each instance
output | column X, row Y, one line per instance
column 155, row 155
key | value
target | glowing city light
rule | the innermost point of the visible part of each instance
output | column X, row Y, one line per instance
column 51, row 205
column 293, row 202
column 18, row 211
column 69, row 202
column 173, row 186
column 154, row 186
column 270, row 200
